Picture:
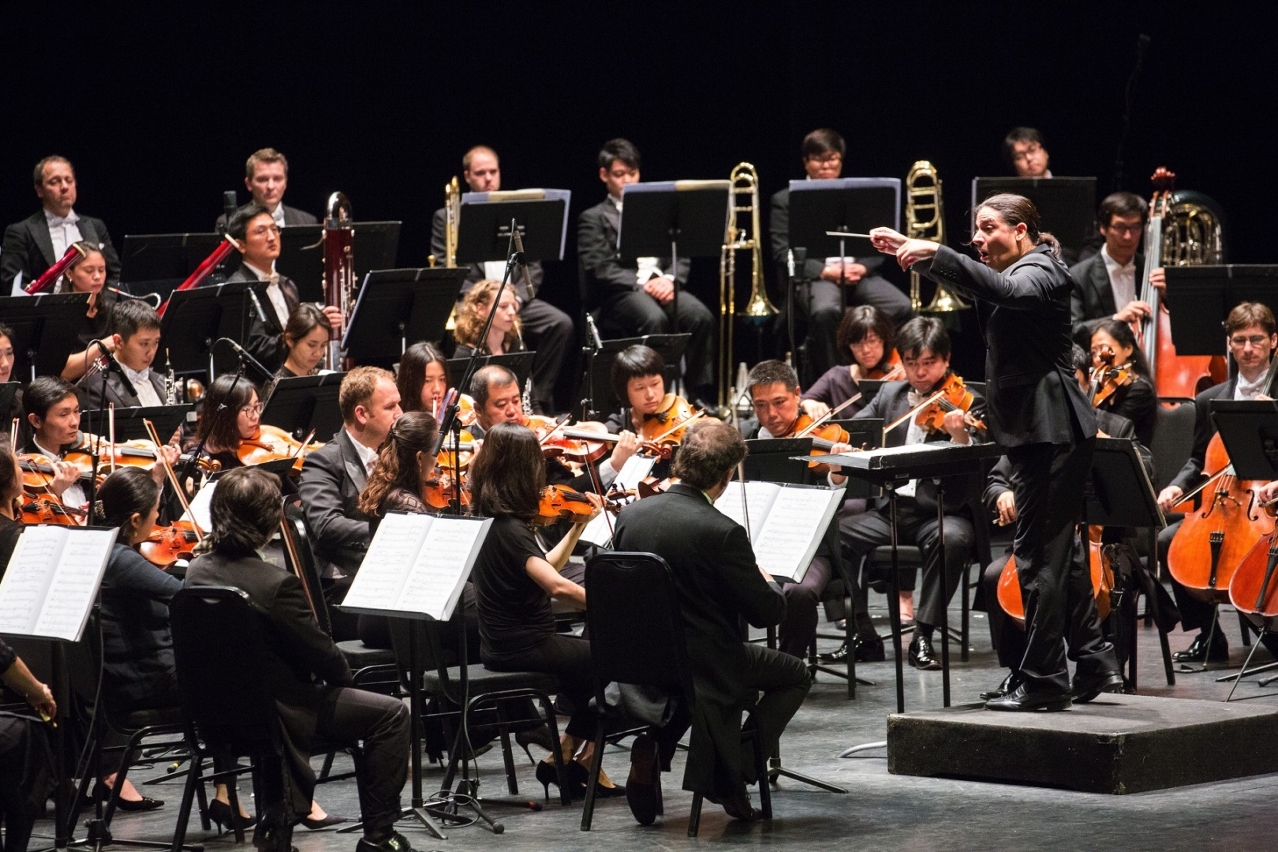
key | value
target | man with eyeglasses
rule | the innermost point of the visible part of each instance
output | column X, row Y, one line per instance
column 1252, row 335
column 820, row 304
column 1027, row 153
column 1110, row 277
column 256, row 234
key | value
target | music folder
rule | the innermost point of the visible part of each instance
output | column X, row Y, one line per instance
column 483, row 224
column 786, row 522
column 52, row 580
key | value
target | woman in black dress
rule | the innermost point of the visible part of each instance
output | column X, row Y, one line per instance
column 1136, row 401
column 304, row 341
column 88, row 275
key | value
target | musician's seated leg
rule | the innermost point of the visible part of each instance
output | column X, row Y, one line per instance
column 859, row 534
column 958, row 549
column 823, row 316
column 548, row 331
column 784, row 683
column 1195, row 613
column 799, row 628
column 632, row 314
column 699, row 358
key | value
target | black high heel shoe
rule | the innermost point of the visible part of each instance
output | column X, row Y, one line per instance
column 325, row 822
column 220, row 813
column 575, row 775
column 103, row 792
column 539, row 736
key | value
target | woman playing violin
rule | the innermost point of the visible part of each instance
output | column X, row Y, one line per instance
column 503, row 335
column 10, row 504
column 1130, row 392
column 870, row 336
column 639, row 381
column 88, row 275
column 6, row 375
column 232, row 414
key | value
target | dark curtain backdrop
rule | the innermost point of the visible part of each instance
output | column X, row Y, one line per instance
column 158, row 104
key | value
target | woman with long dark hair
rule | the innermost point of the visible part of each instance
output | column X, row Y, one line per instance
column 230, row 416
column 304, row 341
column 1136, row 401
column 88, row 275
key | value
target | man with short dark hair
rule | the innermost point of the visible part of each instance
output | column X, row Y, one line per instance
column 135, row 328
column 637, row 299
column 1110, row 277
column 545, row 328
column 40, row 240
column 820, row 304
column 266, row 177
column 718, row 583
column 1026, row 152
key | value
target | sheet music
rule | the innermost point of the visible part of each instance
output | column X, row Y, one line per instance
column 388, row 561
column 52, row 580
column 442, row 565
column 200, row 507
column 792, row 529
column 759, row 498
column 27, row 579
column 599, row 531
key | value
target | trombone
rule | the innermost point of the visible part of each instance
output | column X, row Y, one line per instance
column 452, row 213
column 925, row 220
column 745, row 185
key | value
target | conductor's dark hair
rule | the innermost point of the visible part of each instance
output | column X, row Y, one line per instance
column 618, row 149
column 129, row 316
column 1020, row 134
column 127, row 492
column 38, row 176
column 1121, row 204
column 412, row 373
column 1016, row 210
column 245, row 512
column 634, row 362
column 771, row 372
column 923, row 333
column 237, row 225
column 507, row 477
column 710, row 449
column 1082, row 360
column 1244, row 315
column 1124, row 336
column 857, row 323
column 488, row 378
column 823, row 140
column 220, row 418
column 43, row 393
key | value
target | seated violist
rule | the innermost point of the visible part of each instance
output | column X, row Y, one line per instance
column 1135, row 400
column 869, row 335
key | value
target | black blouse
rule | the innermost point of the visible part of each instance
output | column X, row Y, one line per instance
column 514, row 612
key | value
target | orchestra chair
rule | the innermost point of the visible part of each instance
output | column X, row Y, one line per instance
column 461, row 692
column 217, row 640
column 636, row 637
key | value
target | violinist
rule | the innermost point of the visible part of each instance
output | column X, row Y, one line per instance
column 53, row 413
column 88, row 274
column 1251, row 334
column 503, row 334
column 304, row 341
column 1131, row 396
column 232, row 414
column 870, row 336
column 638, row 377
column 774, row 393
column 924, row 347
column 10, row 504
column 1042, row 419
column 134, row 341
column 422, row 379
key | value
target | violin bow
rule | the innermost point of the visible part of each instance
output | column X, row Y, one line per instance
column 821, row 421
column 290, row 552
column 675, row 428
column 910, row 414
column 172, row 477
column 13, row 436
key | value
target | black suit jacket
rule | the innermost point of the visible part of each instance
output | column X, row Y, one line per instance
column 718, row 583
column 1192, row 475
column 1032, row 391
column 779, row 230
column 28, row 249
column 331, row 481
column 89, row 391
column 891, row 402
column 602, row 273
column 263, row 338
column 1092, row 297
column 476, row 271
column 292, row 216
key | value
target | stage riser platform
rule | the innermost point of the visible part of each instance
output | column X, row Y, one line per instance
column 1116, row 744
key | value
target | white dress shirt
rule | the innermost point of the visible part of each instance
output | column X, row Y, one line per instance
column 273, row 291
column 142, row 384
column 1122, row 278
column 64, row 231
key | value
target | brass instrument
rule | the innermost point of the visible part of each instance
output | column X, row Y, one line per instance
column 452, row 214
column 1192, row 231
column 925, row 220
column 745, row 182
column 339, row 269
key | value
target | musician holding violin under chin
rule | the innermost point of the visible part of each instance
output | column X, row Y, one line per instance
column 869, row 335
column 134, row 342
column 638, row 378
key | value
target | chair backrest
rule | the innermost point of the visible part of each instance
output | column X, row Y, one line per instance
column 218, row 650
column 1173, row 441
column 306, row 568
column 634, row 622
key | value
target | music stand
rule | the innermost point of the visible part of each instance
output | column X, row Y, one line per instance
column 599, row 368
column 397, row 307
column 43, row 330
column 156, row 263
column 1066, row 205
column 1200, row 297
column 196, row 318
column 128, row 421
column 7, row 392
column 483, row 224
column 302, row 254
column 866, row 433
column 301, row 404
column 519, row 363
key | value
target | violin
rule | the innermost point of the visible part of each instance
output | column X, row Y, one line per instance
column 668, row 423
column 824, row 436
column 47, row 509
column 466, row 447
column 891, row 370
column 561, row 503
column 1099, row 562
column 440, row 488
column 38, row 472
column 1108, row 378
column 272, row 443
column 167, row 545
column 951, row 395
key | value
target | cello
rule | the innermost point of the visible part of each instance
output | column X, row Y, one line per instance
column 1098, row 563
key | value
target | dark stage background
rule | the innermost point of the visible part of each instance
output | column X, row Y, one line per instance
column 158, row 104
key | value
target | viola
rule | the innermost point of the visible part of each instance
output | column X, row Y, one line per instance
column 1108, row 378
column 38, row 472
column 166, row 545
column 440, row 489
column 272, row 443
column 669, row 422
column 891, row 370
column 1101, row 569
column 561, row 503
column 951, row 395
column 824, row 436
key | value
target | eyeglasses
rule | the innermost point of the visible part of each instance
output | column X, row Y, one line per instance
column 1256, row 341
column 263, row 230
column 1033, row 149
column 825, row 159
column 253, row 410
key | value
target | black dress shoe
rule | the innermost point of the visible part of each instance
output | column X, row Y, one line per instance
column 922, row 656
column 1198, row 649
column 738, row 806
column 1021, row 700
column 867, row 651
column 1087, row 687
column 643, row 786
column 1009, row 684
column 396, row 842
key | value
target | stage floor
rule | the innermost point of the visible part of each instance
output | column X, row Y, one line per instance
column 880, row 812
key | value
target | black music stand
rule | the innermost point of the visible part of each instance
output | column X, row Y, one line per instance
column 867, row 434
column 519, row 363
column 1066, row 205
column 196, row 318
column 128, row 421
column 398, row 307
column 303, row 404
column 302, row 253
column 599, row 369
column 43, row 330
column 156, row 263
column 839, row 204
column 1200, row 297
column 483, row 224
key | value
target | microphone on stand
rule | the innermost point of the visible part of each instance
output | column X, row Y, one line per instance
column 257, row 305
column 592, row 334
column 229, row 205
column 246, row 356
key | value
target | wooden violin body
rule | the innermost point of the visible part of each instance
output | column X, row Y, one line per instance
column 561, row 503
column 271, row 444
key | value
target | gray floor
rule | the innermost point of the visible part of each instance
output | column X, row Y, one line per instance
column 880, row 811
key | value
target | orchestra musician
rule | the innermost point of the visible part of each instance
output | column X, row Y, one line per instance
column 718, row 583
column 53, row 414
column 26, row 758
column 1252, row 335
column 422, row 379
column 821, row 302
column 232, row 415
column 1135, row 400
column 39, row 241
column 257, row 236
column 11, row 498
column 1026, row 152
column 636, row 300
column 1106, row 285
column 924, row 346
column 774, row 394
column 1041, row 418
column 6, row 375
column 88, row 274
column 547, row 329
column 503, row 334
column 304, row 341
column 266, row 177
column 134, row 341
column 246, row 513
column 638, row 378
column 870, row 336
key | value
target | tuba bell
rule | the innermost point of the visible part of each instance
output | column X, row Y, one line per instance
column 925, row 220
column 758, row 309
column 1192, row 231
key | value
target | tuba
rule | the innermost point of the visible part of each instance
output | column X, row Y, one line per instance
column 339, row 268
column 745, row 183
column 925, row 220
column 1192, row 231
